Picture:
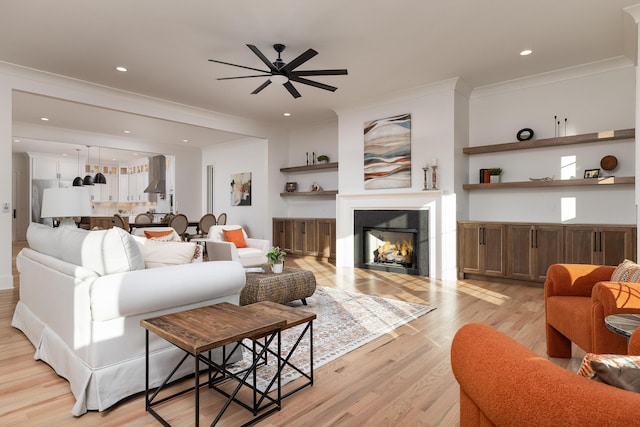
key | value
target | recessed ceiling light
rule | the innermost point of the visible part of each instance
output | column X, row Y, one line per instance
column 127, row 131
column 16, row 140
column 185, row 140
column 44, row 119
column 122, row 69
column 526, row 52
column 286, row 114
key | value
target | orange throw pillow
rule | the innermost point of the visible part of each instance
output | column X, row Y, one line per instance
column 151, row 234
column 236, row 237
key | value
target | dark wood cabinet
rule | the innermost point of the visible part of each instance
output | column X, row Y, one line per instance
column 605, row 245
column 525, row 251
column 482, row 248
column 326, row 237
column 306, row 236
column 531, row 249
column 283, row 234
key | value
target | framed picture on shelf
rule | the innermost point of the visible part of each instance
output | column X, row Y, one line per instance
column 591, row 173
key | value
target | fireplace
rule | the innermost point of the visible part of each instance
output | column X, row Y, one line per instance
column 392, row 240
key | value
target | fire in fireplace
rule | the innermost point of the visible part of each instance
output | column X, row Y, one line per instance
column 389, row 247
column 392, row 240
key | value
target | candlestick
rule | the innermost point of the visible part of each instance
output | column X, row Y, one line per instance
column 434, row 185
column 426, row 183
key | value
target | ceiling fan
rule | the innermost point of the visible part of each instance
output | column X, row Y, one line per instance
column 285, row 73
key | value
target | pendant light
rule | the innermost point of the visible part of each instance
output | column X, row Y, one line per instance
column 99, row 178
column 88, row 179
column 77, row 182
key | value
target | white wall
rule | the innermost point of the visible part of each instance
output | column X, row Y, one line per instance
column 319, row 139
column 434, row 132
column 248, row 155
column 432, row 136
column 188, row 177
column 593, row 97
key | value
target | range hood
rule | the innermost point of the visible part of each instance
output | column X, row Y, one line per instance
column 157, row 175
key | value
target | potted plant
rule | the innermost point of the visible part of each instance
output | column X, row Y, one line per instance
column 323, row 158
column 276, row 258
column 495, row 174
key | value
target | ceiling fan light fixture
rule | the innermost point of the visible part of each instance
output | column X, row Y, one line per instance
column 279, row 79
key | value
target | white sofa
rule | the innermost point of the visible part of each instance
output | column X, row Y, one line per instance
column 82, row 296
column 219, row 249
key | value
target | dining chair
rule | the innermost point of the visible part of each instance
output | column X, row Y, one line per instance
column 118, row 221
column 179, row 223
column 143, row 218
column 206, row 221
column 222, row 219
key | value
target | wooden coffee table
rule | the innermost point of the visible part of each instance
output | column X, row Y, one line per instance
column 293, row 317
column 201, row 330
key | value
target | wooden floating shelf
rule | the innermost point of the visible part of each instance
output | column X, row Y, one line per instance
column 310, row 168
column 310, row 193
column 623, row 180
column 553, row 142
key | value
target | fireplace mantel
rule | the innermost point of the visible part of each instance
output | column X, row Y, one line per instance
column 442, row 237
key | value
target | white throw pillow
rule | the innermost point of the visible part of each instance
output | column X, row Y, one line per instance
column 159, row 254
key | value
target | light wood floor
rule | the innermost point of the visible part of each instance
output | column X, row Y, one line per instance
column 401, row 379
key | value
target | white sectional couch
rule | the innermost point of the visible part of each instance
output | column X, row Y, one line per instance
column 82, row 296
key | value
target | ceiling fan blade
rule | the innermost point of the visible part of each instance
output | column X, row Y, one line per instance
column 312, row 83
column 301, row 59
column 244, row 77
column 262, row 86
column 236, row 65
column 262, row 57
column 341, row 72
column 292, row 90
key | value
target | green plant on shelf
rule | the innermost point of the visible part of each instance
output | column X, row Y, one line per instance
column 323, row 158
column 495, row 171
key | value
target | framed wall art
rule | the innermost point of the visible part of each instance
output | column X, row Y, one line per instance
column 387, row 153
column 241, row 189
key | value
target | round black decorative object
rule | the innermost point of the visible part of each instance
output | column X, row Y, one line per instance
column 525, row 134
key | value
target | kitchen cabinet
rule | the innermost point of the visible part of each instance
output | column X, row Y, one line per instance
column 531, row 249
column 123, row 184
column 48, row 167
column 481, row 249
column 602, row 245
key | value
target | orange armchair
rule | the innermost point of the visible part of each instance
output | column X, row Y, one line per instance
column 577, row 299
column 502, row 383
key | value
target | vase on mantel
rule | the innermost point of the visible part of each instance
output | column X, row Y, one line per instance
column 494, row 178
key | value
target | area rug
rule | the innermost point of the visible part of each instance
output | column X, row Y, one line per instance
column 345, row 321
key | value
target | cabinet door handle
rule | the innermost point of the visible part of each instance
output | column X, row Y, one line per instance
column 600, row 238
column 531, row 244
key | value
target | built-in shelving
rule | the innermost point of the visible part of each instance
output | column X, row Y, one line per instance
column 622, row 180
column 612, row 135
column 310, row 193
column 310, row 168
column 318, row 167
